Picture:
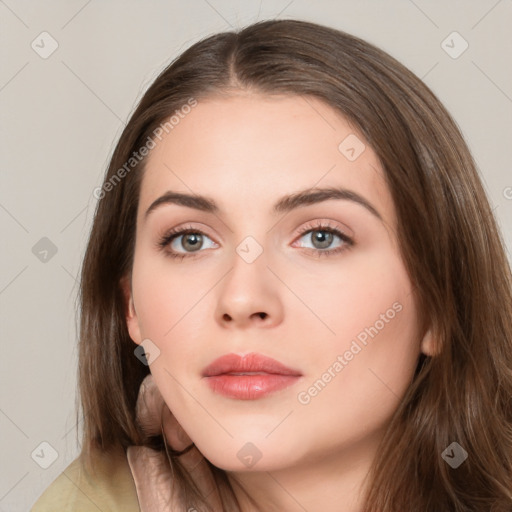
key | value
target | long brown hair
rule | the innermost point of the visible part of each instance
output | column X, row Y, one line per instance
column 448, row 239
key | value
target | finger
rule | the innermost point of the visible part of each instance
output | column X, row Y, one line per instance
column 152, row 412
column 197, row 467
column 175, row 434
column 193, row 460
column 149, row 406
column 152, row 415
column 154, row 481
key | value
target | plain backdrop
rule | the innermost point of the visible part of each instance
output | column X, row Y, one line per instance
column 71, row 73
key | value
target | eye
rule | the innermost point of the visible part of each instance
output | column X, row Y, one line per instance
column 322, row 236
column 185, row 241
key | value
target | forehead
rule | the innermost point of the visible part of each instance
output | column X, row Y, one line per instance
column 248, row 150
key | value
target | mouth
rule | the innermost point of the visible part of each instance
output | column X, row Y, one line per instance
column 248, row 377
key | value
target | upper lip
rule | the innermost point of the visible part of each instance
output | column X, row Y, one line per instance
column 249, row 363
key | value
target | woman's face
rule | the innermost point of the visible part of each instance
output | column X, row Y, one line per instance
column 273, row 266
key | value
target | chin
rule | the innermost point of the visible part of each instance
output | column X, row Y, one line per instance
column 246, row 456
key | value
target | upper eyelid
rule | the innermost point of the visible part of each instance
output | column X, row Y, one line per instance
column 309, row 226
column 324, row 225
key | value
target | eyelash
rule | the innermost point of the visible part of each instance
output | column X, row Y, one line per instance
column 169, row 236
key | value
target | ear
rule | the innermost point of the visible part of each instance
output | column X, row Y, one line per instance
column 428, row 344
column 132, row 322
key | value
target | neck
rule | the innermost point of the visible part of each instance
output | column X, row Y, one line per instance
column 329, row 482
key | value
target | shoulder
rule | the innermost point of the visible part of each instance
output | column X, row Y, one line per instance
column 109, row 487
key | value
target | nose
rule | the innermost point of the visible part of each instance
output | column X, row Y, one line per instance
column 249, row 295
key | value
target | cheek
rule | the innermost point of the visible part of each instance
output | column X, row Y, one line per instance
column 174, row 314
column 360, row 391
column 367, row 360
column 347, row 300
column 165, row 296
column 378, row 323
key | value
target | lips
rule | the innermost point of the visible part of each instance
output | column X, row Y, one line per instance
column 250, row 363
column 248, row 377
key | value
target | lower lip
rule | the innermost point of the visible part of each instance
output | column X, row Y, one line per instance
column 249, row 387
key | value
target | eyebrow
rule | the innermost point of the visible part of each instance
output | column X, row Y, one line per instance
column 283, row 205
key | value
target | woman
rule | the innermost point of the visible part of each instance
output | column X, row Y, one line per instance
column 293, row 247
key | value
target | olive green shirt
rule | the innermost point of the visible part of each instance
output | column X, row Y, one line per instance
column 110, row 488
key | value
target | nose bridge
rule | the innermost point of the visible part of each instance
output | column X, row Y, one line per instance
column 249, row 291
column 250, row 249
column 249, row 274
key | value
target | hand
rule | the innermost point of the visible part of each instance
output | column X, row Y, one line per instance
column 150, row 468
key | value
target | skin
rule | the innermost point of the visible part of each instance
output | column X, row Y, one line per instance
column 246, row 151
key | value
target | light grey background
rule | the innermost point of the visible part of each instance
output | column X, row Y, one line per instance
column 61, row 116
